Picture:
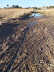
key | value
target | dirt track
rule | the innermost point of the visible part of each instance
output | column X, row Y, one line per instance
column 27, row 49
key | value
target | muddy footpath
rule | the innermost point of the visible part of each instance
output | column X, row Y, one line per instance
column 27, row 45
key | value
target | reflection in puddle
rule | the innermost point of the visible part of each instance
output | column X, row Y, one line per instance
column 37, row 15
column 31, row 24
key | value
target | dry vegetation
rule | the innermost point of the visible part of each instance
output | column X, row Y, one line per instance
column 47, row 12
column 13, row 13
column 24, row 49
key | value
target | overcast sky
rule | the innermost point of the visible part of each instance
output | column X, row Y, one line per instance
column 27, row 3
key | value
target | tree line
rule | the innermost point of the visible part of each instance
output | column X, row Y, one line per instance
column 13, row 6
column 16, row 6
column 51, row 6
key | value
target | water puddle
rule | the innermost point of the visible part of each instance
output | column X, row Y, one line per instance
column 31, row 24
column 37, row 15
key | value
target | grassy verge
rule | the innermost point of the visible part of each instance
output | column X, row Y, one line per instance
column 13, row 13
column 47, row 12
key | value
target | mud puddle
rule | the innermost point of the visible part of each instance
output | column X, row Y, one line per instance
column 31, row 24
column 37, row 15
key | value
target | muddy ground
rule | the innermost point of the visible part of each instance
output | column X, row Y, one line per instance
column 25, row 47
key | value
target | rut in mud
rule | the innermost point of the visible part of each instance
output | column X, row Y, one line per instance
column 25, row 32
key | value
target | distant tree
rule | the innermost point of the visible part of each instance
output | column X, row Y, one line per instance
column 7, row 5
column 15, row 6
column 20, row 7
column 34, row 7
column 51, row 6
column 28, row 7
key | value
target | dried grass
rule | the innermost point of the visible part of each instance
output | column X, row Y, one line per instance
column 13, row 13
column 47, row 12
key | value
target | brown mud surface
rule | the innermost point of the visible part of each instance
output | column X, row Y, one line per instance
column 25, row 47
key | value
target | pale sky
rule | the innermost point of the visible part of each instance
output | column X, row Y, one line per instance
column 27, row 3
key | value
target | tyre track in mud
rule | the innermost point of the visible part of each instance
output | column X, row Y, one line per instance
column 29, row 56
column 13, row 59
